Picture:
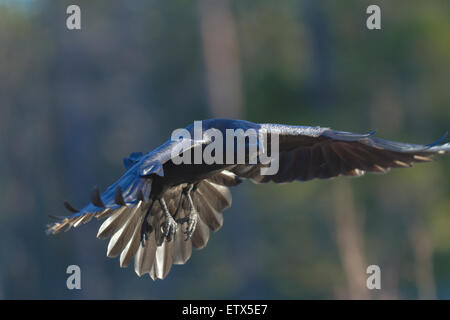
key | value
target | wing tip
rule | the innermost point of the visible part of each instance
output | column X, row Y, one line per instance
column 96, row 198
column 69, row 207
column 433, row 144
column 118, row 197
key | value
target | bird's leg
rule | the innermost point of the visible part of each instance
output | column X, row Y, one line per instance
column 169, row 226
column 145, row 227
column 180, row 201
column 192, row 218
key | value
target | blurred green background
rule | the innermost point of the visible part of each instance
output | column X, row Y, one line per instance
column 74, row 103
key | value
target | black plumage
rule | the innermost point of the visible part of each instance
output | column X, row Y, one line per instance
column 146, row 208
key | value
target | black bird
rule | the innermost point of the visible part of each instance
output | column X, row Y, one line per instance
column 147, row 208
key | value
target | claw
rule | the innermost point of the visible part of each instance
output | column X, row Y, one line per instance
column 192, row 224
column 146, row 229
column 169, row 228
column 192, row 218
column 191, row 221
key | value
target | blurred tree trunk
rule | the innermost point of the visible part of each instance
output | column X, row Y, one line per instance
column 221, row 54
column 77, row 119
column 350, row 240
column 423, row 254
column 225, row 100
column 321, row 87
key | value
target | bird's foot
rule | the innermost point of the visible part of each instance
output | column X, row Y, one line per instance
column 169, row 228
column 146, row 229
column 191, row 221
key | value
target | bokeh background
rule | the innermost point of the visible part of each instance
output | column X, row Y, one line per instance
column 74, row 103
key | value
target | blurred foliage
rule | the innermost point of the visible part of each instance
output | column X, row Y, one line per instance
column 74, row 103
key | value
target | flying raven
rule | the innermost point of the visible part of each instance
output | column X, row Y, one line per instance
column 159, row 209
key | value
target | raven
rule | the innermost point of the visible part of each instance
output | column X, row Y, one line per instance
column 145, row 209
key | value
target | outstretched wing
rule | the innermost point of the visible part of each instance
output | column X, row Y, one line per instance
column 125, row 192
column 125, row 203
column 306, row 153
column 132, row 187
